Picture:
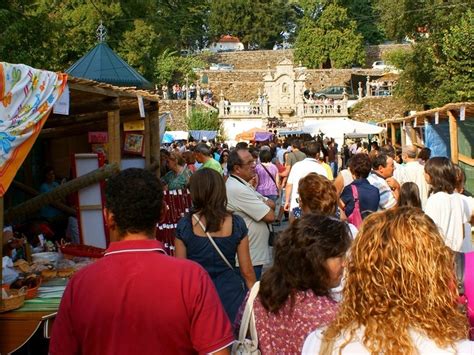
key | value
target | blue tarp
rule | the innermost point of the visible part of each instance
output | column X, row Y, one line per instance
column 437, row 139
column 200, row 135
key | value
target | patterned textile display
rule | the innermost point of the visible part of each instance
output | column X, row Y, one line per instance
column 26, row 98
column 178, row 202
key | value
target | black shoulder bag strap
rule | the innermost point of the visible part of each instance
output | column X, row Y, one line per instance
column 271, row 176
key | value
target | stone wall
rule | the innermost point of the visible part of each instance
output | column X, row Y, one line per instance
column 373, row 53
column 254, row 59
column 261, row 59
column 379, row 108
column 178, row 111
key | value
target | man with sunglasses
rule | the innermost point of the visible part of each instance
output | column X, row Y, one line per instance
column 255, row 209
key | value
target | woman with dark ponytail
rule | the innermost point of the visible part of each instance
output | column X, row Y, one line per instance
column 295, row 293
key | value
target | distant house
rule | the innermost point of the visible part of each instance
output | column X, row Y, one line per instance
column 227, row 43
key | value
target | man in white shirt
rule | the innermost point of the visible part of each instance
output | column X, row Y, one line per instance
column 382, row 178
column 255, row 209
column 414, row 172
column 389, row 150
column 299, row 170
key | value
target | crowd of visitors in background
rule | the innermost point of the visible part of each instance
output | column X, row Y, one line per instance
column 179, row 92
column 368, row 263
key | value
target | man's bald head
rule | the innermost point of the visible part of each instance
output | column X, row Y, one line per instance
column 409, row 152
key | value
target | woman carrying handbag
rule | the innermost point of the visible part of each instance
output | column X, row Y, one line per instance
column 213, row 237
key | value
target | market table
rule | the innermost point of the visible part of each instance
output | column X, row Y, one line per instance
column 18, row 326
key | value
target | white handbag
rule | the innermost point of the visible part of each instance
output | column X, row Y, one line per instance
column 245, row 346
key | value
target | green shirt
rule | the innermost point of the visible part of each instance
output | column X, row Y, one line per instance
column 212, row 164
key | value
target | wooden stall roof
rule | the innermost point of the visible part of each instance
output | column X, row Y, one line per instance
column 442, row 112
column 96, row 87
column 90, row 101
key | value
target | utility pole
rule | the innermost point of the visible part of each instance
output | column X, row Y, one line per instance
column 187, row 97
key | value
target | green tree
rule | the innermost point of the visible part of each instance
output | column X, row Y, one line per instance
column 170, row 67
column 366, row 17
column 439, row 69
column 203, row 120
column 255, row 22
column 330, row 41
column 416, row 18
column 139, row 47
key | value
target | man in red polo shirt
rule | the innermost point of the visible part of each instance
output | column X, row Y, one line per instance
column 136, row 299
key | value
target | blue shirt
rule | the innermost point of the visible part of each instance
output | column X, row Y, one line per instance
column 369, row 197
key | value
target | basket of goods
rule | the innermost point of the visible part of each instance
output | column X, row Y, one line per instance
column 12, row 299
column 73, row 250
column 31, row 282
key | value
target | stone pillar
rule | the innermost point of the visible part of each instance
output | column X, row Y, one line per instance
column 360, row 91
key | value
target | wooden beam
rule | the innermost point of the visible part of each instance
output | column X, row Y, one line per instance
column 47, row 133
column 453, row 137
column 59, row 205
column 147, row 140
column 155, row 138
column 403, row 135
column 109, row 104
column 93, row 90
column 27, row 208
column 466, row 160
column 113, row 128
column 393, row 134
column 413, row 138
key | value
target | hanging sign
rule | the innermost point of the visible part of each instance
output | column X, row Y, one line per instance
column 134, row 126
column 98, row 137
column 61, row 107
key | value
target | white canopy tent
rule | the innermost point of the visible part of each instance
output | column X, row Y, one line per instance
column 338, row 128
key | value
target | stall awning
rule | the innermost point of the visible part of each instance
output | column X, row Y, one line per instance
column 342, row 127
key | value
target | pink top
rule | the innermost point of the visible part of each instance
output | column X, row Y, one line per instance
column 285, row 331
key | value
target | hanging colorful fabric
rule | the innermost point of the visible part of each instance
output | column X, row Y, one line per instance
column 26, row 98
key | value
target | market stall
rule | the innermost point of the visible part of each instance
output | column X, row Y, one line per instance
column 255, row 135
column 448, row 131
column 66, row 116
column 341, row 128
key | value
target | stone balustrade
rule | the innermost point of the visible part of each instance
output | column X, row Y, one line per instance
column 338, row 108
column 242, row 109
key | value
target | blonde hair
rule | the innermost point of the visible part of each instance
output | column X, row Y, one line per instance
column 400, row 276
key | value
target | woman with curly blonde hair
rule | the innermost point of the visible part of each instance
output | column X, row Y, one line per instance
column 400, row 293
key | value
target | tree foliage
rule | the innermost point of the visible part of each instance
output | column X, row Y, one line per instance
column 415, row 18
column 330, row 41
column 203, row 120
column 364, row 13
column 439, row 70
column 258, row 23
column 171, row 68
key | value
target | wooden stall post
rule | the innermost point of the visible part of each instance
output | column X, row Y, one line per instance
column 147, row 140
column 155, row 136
column 453, row 137
column 393, row 134
column 402, row 135
column 113, row 128
column 413, row 133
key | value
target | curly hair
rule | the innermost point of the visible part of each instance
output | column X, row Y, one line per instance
column 135, row 198
column 209, row 197
column 442, row 175
column 299, row 262
column 317, row 194
column 400, row 276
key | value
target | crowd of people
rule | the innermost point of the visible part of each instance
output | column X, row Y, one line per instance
column 366, row 265
column 179, row 92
